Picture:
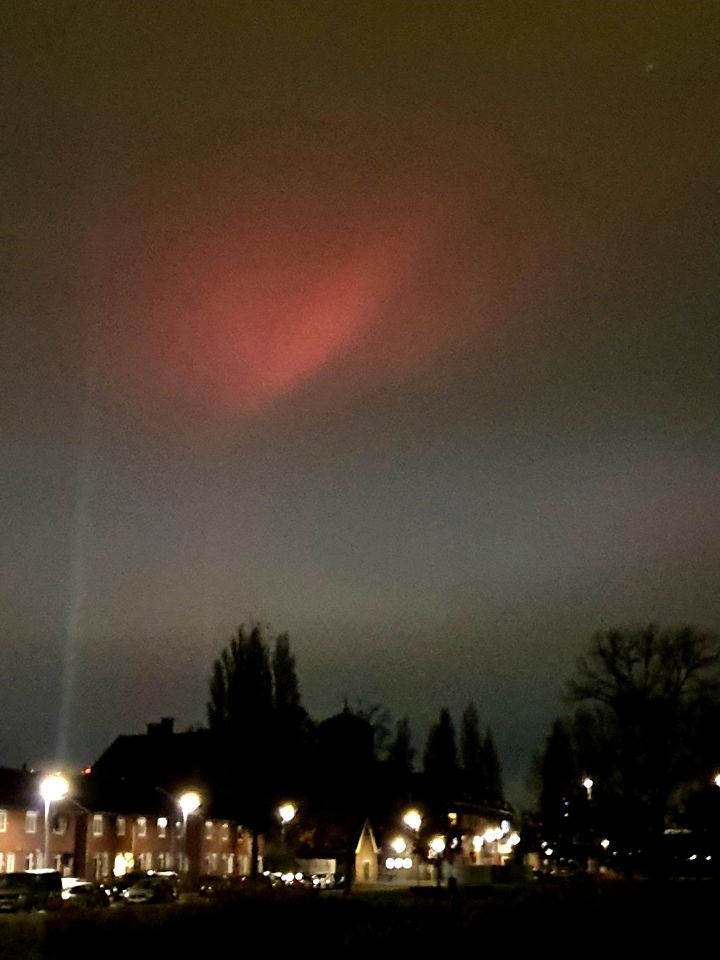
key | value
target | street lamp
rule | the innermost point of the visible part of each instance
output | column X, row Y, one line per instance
column 588, row 784
column 437, row 845
column 189, row 802
column 413, row 820
column 286, row 812
column 437, row 848
column 52, row 788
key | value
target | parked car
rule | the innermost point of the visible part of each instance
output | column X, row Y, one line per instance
column 117, row 885
column 216, row 886
column 150, row 890
column 32, row 890
column 82, row 893
column 170, row 876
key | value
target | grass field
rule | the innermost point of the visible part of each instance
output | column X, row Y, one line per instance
column 566, row 919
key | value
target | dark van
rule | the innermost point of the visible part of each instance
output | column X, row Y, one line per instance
column 32, row 890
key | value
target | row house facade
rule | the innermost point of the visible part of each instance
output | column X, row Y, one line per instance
column 111, row 843
column 99, row 843
column 23, row 826
column 124, row 814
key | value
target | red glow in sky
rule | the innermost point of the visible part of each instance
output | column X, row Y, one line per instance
column 227, row 322
column 221, row 319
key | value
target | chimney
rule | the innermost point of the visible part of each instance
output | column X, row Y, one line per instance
column 165, row 728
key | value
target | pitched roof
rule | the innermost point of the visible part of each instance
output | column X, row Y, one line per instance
column 367, row 838
column 19, row 788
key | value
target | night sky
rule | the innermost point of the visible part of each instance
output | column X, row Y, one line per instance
column 393, row 325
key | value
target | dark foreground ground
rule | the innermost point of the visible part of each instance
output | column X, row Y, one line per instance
column 565, row 919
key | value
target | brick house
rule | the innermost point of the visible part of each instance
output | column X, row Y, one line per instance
column 157, row 839
column 124, row 813
column 23, row 826
column 134, row 819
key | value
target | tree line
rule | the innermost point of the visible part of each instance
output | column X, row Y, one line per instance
column 342, row 770
column 633, row 758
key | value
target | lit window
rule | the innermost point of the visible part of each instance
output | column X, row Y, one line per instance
column 208, row 829
column 3, row 821
column 162, row 826
column 97, row 825
column 120, row 826
column 59, row 825
column 10, row 863
column 141, row 826
column 30, row 821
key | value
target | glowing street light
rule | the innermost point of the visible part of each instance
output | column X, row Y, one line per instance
column 716, row 779
column 413, row 820
column 189, row 803
column 437, row 845
column 52, row 788
column 588, row 783
column 399, row 845
column 287, row 812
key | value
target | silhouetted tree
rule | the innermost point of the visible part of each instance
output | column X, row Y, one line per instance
column 481, row 771
column 379, row 719
column 292, row 726
column 400, row 752
column 241, row 694
column 559, row 790
column 645, row 694
column 286, row 691
column 440, row 759
column 493, row 771
column 395, row 783
column 473, row 757
column 241, row 716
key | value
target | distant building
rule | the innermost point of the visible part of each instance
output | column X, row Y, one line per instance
column 366, row 856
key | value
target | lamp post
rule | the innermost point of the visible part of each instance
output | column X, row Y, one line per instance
column 286, row 812
column 189, row 802
column 590, row 862
column 52, row 788
column 437, row 848
column 413, row 820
